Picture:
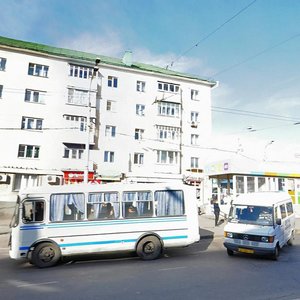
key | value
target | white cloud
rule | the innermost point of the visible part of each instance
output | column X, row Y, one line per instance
column 107, row 43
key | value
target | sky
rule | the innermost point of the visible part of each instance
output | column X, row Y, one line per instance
column 251, row 47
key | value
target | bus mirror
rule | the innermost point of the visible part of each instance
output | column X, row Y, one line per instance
column 278, row 221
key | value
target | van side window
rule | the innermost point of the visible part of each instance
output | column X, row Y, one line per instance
column 283, row 211
column 33, row 211
column 289, row 207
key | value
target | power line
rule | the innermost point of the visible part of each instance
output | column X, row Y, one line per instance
column 254, row 114
column 254, row 56
column 211, row 33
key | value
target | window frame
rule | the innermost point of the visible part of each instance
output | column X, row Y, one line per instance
column 26, row 121
column 3, row 61
column 141, row 86
column 109, row 156
column 34, row 150
column 38, row 70
column 112, row 81
column 168, row 87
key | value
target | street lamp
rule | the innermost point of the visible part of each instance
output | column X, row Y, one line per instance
column 265, row 152
column 88, row 129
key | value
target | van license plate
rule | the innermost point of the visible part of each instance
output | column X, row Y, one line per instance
column 243, row 250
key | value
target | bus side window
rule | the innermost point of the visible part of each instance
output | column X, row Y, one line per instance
column 33, row 211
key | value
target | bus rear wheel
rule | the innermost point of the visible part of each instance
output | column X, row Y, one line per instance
column 149, row 248
column 45, row 255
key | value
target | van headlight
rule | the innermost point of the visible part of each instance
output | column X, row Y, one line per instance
column 228, row 234
column 267, row 239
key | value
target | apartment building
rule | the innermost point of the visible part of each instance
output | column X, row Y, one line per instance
column 64, row 113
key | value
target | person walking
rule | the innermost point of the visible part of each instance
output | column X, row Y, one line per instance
column 216, row 212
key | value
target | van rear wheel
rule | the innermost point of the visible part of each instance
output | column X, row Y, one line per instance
column 291, row 240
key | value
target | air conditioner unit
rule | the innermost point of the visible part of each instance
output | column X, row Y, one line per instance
column 51, row 179
column 194, row 124
column 3, row 177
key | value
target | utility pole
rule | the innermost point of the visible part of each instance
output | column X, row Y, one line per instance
column 88, row 121
column 180, row 141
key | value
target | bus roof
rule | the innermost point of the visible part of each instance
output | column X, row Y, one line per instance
column 84, row 188
column 262, row 198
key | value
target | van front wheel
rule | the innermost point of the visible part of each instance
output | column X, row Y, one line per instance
column 229, row 252
column 276, row 253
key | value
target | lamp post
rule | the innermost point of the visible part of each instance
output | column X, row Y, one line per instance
column 265, row 150
column 88, row 127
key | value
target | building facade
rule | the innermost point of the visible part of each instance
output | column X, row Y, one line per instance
column 64, row 113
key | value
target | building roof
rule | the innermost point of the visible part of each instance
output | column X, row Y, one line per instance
column 90, row 57
column 261, row 198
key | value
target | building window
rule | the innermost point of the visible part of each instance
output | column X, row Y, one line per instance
column 2, row 63
column 110, row 130
column 194, row 139
column 80, row 72
column 112, row 81
column 77, row 122
column 167, row 157
column 29, row 151
column 73, row 151
column 79, row 97
column 138, row 158
column 32, row 123
column 109, row 156
column 194, row 94
column 168, row 87
column 140, row 86
column 194, row 116
column 1, row 90
column 38, row 70
column 195, row 162
column 23, row 181
column 168, row 109
column 34, row 96
column 140, row 109
column 138, row 134
column 168, row 132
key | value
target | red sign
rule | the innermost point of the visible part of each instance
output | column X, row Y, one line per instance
column 77, row 176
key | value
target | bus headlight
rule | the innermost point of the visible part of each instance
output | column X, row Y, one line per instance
column 228, row 234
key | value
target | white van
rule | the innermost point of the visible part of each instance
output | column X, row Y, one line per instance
column 260, row 223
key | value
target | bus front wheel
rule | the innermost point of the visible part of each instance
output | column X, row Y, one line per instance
column 149, row 248
column 45, row 255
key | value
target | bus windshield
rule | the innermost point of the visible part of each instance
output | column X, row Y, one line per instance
column 249, row 214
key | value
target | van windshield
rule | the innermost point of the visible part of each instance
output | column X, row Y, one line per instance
column 249, row 214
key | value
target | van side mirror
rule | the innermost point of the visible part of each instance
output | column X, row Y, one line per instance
column 278, row 221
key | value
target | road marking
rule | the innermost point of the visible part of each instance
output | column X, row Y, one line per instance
column 171, row 269
column 36, row 284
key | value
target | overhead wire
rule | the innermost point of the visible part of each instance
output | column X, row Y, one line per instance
column 211, row 33
column 254, row 56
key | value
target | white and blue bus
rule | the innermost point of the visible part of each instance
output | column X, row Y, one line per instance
column 57, row 221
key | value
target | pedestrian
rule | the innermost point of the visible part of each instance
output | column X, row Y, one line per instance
column 216, row 212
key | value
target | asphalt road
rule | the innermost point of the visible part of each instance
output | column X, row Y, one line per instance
column 202, row 271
